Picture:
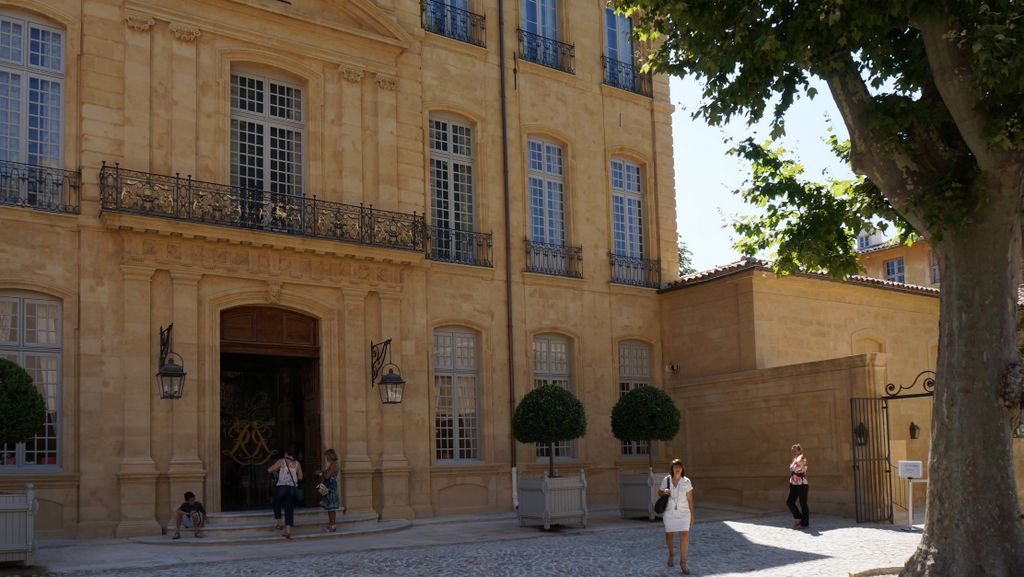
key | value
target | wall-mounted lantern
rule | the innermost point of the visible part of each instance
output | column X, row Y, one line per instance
column 914, row 430
column 860, row 434
column 171, row 376
column 391, row 386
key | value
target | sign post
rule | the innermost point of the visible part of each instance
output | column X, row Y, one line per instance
column 910, row 470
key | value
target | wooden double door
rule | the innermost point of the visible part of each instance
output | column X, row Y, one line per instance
column 270, row 400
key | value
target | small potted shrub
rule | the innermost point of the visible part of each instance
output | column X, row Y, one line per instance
column 643, row 414
column 546, row 415
column 22, row 415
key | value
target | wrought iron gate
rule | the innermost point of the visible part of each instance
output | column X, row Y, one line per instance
column 872, row 464
column 872, row 470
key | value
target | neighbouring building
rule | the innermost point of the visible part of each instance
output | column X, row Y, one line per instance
column 287, row 182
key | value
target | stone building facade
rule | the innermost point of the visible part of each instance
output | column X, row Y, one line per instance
column 287, row 182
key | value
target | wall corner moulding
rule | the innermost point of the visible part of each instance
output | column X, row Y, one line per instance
column 184, row 32
column 139, row 22
column 351, row 74
column 385, row 82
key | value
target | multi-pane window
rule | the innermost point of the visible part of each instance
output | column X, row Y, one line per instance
column 627, row 209
column 634, row 372
column 546, row 182
column 456, row 395
column 933, row 266
column 618, row 36
column 266, row 135
column 30, row 335
column 451, row 188
column 894, row 270
column 552, row 365
column 449, row 18
column 540, row 17
column 31, row 92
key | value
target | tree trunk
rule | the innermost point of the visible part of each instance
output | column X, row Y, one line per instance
column 974, row 524
column 551, row 460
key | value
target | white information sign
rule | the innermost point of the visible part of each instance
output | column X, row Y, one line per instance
column 911, row 469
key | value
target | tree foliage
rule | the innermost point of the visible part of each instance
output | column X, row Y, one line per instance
column 546, row 415
column 685, row 259
column 645, row 414
column 932, row 95
column 22, row 407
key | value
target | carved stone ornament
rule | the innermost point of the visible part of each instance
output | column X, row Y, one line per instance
column 273, row 292
column 351, row 74
column 184, row 32
column 388, row 83
column 139, row 23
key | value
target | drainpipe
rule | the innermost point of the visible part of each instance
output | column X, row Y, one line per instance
column 508, row 254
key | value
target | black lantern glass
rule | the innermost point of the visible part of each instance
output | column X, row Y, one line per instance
column 171, row 376
column 914, row 430
column 392, row 387
column 171, row 379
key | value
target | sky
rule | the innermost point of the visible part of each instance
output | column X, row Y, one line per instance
column 706, row 175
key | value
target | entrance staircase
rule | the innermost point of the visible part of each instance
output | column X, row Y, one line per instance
column 253, row 527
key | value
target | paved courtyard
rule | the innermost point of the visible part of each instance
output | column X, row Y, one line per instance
column 747, row 546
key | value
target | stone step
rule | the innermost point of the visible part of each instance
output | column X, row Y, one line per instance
column 271, row 535
column 303, row 516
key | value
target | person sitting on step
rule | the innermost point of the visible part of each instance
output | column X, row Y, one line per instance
column 191, row 514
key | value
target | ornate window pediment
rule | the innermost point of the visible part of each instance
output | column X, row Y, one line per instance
column 362, row 17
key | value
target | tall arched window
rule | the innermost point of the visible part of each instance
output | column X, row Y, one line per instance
column 451, row 189
column 546, row 178
column 456, row 395
column 552, row 365
column 267, row 146
column 30, row 335
column 31, row 104
column 627, row 209
column 634, row 372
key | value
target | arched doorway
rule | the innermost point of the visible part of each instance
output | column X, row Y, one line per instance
column 270, row 399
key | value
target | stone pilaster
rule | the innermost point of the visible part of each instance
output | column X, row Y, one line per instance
column 357, row 471
column 137, row 474
column 394, row 465
column 184, row 88
column 137, row 68
column 186, row 471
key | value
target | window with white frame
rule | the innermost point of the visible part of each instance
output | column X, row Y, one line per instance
column 552, row 365
column 456, row 395
column 30, row 335
column 894, row 270
column 627, row 209
column 267, row 128
column 540, row 17
column 933, row 262
column 31, row 91
column 451, row 188
column 634, row 372
column 546, row 181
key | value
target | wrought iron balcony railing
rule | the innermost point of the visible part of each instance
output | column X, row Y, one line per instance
column 461, row 246
column 554, row 259
column 547, row 52
column 626, row 76
column 173, row 197
column 442, row 18
column 635, row 271
column 40, row 187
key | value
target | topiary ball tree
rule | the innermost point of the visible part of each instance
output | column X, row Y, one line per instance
column 22, row 407
column 645, row 414
column 546, row 415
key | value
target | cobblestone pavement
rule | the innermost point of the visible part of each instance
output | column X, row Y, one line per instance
column 755, row 547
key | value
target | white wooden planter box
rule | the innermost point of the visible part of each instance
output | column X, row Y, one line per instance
column 553, row 501
column 17, row 526
column 637, row 494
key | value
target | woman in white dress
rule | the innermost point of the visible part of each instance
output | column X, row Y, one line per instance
column 678, row 516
